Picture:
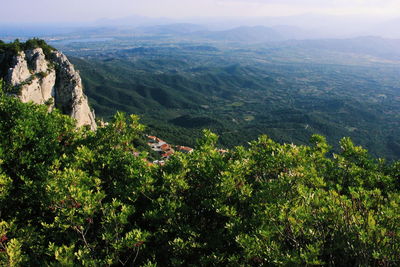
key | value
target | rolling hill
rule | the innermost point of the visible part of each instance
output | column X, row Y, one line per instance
column 288, row 93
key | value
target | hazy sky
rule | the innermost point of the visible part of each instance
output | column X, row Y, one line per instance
column 89, row 10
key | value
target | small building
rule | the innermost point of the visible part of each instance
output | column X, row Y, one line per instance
column 160, row 142
column 184, row 149
column 167, row 154
column 165, row 147
column 159, row 162
column 152, row 139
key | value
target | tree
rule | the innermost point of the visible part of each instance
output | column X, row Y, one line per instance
column 72, row 197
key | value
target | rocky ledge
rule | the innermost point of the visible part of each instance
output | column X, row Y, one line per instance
column 52, row 81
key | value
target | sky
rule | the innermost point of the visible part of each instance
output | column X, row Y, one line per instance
column 39, row 11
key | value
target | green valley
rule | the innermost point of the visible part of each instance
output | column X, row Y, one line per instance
column 240, row 90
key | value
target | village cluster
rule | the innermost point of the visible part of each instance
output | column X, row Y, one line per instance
column 165, row 149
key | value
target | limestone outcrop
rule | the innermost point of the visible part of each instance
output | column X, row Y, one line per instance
column 52, row 81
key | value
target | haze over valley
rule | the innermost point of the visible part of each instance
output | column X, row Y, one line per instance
column 240, row 81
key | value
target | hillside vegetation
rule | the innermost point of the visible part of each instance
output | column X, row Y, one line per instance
column 242, row 91
column 73, row 197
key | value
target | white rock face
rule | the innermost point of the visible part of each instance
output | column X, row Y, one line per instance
column 37, row 60
column 19, row 72
column 39, row 90
column 54, row 82
column 69, row 92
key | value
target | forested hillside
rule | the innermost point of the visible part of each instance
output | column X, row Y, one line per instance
column 74, row 197
column 242, row 91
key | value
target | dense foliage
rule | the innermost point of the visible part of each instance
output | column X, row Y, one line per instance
column 18, row 46
column 73, row 197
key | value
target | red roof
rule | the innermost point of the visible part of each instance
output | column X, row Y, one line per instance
column 185, row 148
column 165, row 147
column 168, row 153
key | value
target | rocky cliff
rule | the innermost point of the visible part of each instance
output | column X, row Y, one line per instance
column 49, row 79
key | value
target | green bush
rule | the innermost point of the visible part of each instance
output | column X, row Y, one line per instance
column 17, row 46
column 39, row 43
column 72, row 197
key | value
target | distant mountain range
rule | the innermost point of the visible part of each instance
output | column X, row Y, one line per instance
column 305, row 26
column 278, row 36
column 310, row 25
